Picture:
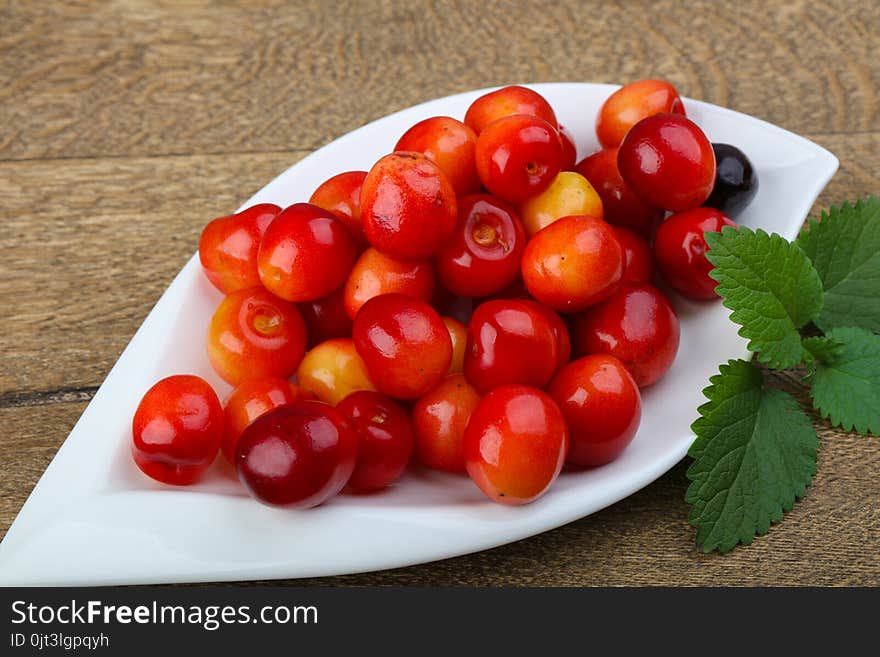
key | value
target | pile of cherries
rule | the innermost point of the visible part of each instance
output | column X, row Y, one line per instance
column 478, row 298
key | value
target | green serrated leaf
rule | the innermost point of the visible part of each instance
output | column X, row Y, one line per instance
column 846, row 384
column 771, row 287
column 845, row 249
column 754, row 455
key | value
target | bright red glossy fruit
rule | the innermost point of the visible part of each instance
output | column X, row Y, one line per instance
column 298, row 455
column 440, row 418
column 573, row 263
column 620, row 204
column 254, row 334
column 680, row 248
column 601, row 405
column 569, row 149
column 326, row 318
column 518, row 157
column 560, row 330
column 376, row 273
column 177, row 430
column 404, row 344
column 637, row 256
column 407, row 206
column 507, row 102
column 250, row 400
column 228, row 247
column 306, row 253
column 668, row 162
column 510, row 341
column 515, row 444
column 637, row 326
column 484, row 253
column 341, row 195
column 632, row 103
column 385, row 439
column 451, row 145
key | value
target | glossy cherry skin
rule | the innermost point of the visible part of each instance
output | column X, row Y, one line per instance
column 250, row 400
column 458, row 335
column 376, row 273
column 509, row 341
column 637, row 326
column 508, row 101
column 680, row 248
column 560, row 330
column 440, row 418
column 306, row 253
column 228, row 247
column 385, row 439
column 298, row 455
column 637, row 256
column 254, row 334
column 569, row 193
column 333, row 370
column 408, row 206
column 518, row 157
column 602, row 407
column 403, row 343
column 569, row 149
column 451, row 145
column 484, row 253
column 515, row 444
column 632, row 103
column 177, row 430
column 326, row 318
column 736, row 182
column 668, row 162
column 573, row 263
column 620, row 204
column 341, row 195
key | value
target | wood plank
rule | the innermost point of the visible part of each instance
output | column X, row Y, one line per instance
column 148, row 77
column 643, row 540
column 95, row 242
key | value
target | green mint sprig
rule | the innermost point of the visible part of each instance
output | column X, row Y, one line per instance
column 755, row 451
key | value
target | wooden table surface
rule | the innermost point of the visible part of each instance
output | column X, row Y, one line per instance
column 126, row 125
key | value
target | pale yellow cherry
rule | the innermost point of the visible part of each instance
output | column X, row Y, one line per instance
column 569, row 194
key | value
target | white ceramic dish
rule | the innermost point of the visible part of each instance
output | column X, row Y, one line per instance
column 94, row 519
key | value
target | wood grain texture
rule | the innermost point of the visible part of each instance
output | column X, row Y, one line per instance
column 125, row 126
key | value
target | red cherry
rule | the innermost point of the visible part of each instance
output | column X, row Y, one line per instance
column 507, row 102
column 573, row 263
column 518, row 157
column 385, row 439
column 680, row 248
column 484, row 253
column 407, row 206
column 177, row 429
column 451, row 145
column 298, row 455
column 510, row 341
column 637, row 326
column 228, row 247
column 341, row 195
column 306, row 253
column 601, row 405
column 404, row 344
column 515, row 444
column 637, row 255
column 668, row 161
column 440, row 418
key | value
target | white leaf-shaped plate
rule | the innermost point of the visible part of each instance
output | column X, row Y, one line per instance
column 93, row 518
